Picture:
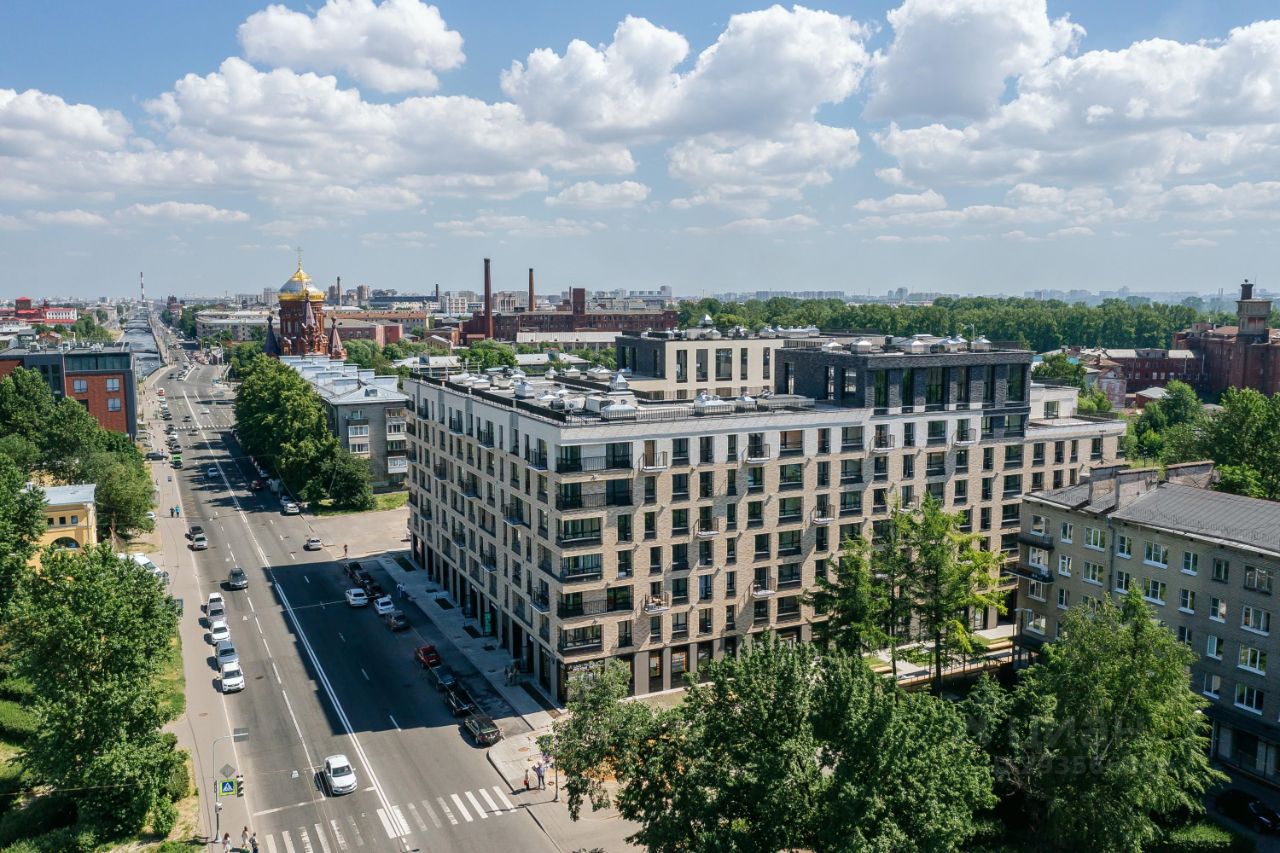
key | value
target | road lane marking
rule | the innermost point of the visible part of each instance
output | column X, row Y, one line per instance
column 417, row 818
column 365, row 674
column 432, row 813
column 386, row 824
column 476, row 804
column 337, row 834
column 304, row 577
column 265, row 646
column 320, row 836
column 288, row 842
column 401, row 823
column 493, row 807
column 271, row 844
column 282, row 808
column 305, row 839
column 503, row 797
column 394, row 723
column 277, row 672
column 342, row 638
column 458, row 802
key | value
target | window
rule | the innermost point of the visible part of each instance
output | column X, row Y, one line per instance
column 1123, row 581
column 113, row 384
column 1035, row 589
column 1213, row 647
column 1187, row 601
column 1038, row 557
column 1036, row 623
column 1255, row 619
column 1155, row 554
column 1064, row 565
column 1184, row 635
column 1095, row 537
column 1218, row 609
column 1212, row 684
column 1065, row 531
column 1093, row 572
column 1063, row 598
column 1249, row 698
column 1190, row 562
column 113, row 404
column 1153, row 590
column 79, row 386
column 1221, row 569
column 1257, row 579
column 1254, row 660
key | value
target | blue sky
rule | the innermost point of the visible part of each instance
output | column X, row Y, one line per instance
column 985, row 146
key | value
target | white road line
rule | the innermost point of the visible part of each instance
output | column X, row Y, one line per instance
column 305, row 839
column 493, row 807
column 337, row 834
column 476, row 804
column 394, row 723
column 458, row 802
column 401, row 824
column 342, row 638
column 271, row 844
column 277, row 672
column 417, row 818
column 365, row 674
column 355, row 831
column 503, row 797
column 288, row 843
column 320, row 836
column 432, row 813
column 264, row 645
column 282, row 808
column 259, row 624
column 386, row 824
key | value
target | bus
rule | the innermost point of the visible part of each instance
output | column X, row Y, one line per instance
column 176, row 460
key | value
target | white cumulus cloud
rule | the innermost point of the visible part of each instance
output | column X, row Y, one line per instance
column 591, row 195
column 899, row 202
column 184, row 212
column 78, row 217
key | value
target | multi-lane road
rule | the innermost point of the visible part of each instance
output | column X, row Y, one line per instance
column 322, row 678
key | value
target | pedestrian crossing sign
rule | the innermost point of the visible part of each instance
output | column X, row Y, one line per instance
column 226, row 787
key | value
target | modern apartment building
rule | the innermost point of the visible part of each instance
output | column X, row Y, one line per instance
column 365, row 411
column 1205, row 562
column 576, row 520
column 99, row 376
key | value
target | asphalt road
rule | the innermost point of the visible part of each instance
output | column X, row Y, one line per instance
column 323, row 678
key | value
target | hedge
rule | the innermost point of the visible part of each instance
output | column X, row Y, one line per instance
column 1204, row 836
column 16, row 722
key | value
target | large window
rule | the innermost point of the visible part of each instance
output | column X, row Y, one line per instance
column 1257, row 579
column 1249, row 698
column 1155, row 554
column 1254, row 660
column 1255, row 619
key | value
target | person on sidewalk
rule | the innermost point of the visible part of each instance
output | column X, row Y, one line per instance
column 542, row 776
column 526, row 779
column 253, row 842
column 226, row 842
column 244, row 838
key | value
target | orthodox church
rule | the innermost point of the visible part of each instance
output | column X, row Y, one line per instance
column 302, row 321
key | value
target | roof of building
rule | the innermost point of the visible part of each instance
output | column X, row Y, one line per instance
column 344, row 383
column 1153, row 393
column 523, row 337
column 76, row 493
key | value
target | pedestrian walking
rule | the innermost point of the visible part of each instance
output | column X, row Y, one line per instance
column 526, row 778
column 542, row 776
column 253, row 842
column 244, row 838
column 344, row 552
column 226, row 842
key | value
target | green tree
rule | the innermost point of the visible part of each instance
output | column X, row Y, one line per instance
column 1106, row 736
column 21, row 523
column 123, row 494
column 952, row 576
column 1180, row 404
column 90, row 632
column 347, row 477
column 1060, row 367
column 1245, row 434
column 854, row 603
column 1240, row 480
column 485, row 354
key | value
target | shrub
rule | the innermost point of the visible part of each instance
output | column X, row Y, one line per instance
column 18, row 689
column 36, row 817
column 26, row 845
column 1204, row 836
column 16, row 722
column 68, row 839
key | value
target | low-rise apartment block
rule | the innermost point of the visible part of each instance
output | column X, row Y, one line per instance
column 576, row 519
column 1205, row 562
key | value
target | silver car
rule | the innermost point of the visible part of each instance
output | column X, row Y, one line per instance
column 226, row 653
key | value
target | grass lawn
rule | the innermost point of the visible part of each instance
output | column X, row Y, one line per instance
column 172, row 682
column 387, row 500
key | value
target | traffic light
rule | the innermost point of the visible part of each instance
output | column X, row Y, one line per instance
column 239, row 785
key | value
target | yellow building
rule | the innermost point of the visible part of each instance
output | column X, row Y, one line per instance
column 71, row 516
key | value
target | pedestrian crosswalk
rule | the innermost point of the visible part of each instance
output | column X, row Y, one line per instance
column 366, row 830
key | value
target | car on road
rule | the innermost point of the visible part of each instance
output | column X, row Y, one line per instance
column 186, row 418
column 199, row 542
column 313, row 544
column 396, row 621
column 219, row 630
column 339, row 777
column 483, row 730
column 427, row 656
column 156, row 455
column 357, row 598
column 204, row 411
column 442, row 676
column 194, row 530
column 258, row 484
column 459, row 701
column 237, row 579
column 1245, row 808
column 383, row 605
column 211, row 473
column 359, row 575
column 289, row 508
column 232, row 678
column 226, row 653
column 215, row 601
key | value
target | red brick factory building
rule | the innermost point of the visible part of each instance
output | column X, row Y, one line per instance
column 575, row 316
column 1246, row 355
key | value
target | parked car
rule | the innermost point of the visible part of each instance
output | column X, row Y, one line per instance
column 219, row 630
column 372, row 588
column 396, row 621
column 459, row 701
column 427, row 656
column 194, row 530
column 350, row 568
column 289, row 508
column 232, row 678
column 199, row 542
column 1245, row 808
column 442, row 676
column 237, row 579
column 360, row 576
column 313, row 544
column 215, row 602
column 226, row 653
column 383, row 605
column 357, row 598
column 156, row 455
column 482, row 729
column 258, row 484
column 211, row 472
column 339, row 777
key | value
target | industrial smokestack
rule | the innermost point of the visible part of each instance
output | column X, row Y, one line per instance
column 1246, row 289
column 532, row 299
column 578, row 300
column 488, row 301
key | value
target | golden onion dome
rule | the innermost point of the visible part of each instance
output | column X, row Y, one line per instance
column 299, row 286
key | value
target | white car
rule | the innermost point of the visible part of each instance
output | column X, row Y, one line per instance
column 199, row 542
column 357, row 598
column 215, row 600
column 219, row 630
column 232, row 678
column 384, row 605
column 313, row 544
column 290, row 508
column 339, row 777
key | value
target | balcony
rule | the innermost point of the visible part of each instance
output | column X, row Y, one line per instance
column 581, row 575
column 790, row 449
column 787, row 615
column 594, row 500
column 540, row 601
column 655, row 604
column 1039, row 540
column 455, row 426
column 758, row 454
column 536, row 460
column 759, row 590
column 1026, row 570
column 884, row 443
column 651, row 462
column 514, row 514
column 489, row 562
column 790, row 485
column 822, row 515
column 570, row 610
column 578, row 540
column 460, row 539
column 707, row 529
column 570, row 645
column 485, row 438
column 441, row 471
column 397, row 464
column 575, row 465
column 470, row 488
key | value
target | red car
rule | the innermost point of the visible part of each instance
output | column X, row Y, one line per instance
column 428, row 656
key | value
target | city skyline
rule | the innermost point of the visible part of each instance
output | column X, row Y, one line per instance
column 963, row 147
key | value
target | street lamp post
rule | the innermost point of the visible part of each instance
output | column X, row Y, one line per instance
column 236, row 736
